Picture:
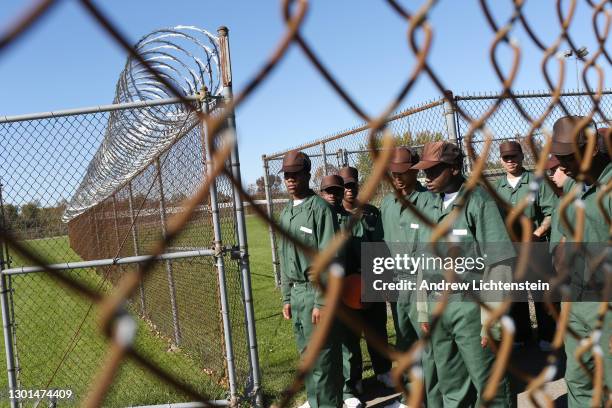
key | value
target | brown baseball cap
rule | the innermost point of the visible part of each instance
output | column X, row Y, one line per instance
column 349, row 174
column 510, row 147
column 563, row 135
column 295, row 161
column 438, row 152
column 552, row 162
column 402, row 160
column 331, row 181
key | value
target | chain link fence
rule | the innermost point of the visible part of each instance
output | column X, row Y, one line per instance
column 34, row 178
column 431, row 121
column 57, row 344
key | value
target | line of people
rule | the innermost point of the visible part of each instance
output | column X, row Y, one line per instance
column 458, row 360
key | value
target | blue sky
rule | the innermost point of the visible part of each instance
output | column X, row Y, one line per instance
column 67, row 61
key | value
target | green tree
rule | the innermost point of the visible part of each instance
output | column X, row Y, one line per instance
column 407, row 139
column 11, row 216
column 30, row 214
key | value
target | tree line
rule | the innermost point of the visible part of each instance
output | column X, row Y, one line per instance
column 32, row 220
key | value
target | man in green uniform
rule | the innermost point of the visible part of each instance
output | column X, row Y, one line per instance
column 596, row 236
column 309, row 219
column 332, row 191
column 374, row 314
column 401, row 226
column 513, row 187
column 459, row 339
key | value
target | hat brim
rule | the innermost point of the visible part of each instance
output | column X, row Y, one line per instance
column 399, row 167
column 510, row 151
column 330, row 186
column 562, row 149
column 425, row 164
column 349, row 180
column 292, row 169
column 552, row 163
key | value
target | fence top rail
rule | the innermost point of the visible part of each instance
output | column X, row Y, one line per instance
column 95, row 109
column 399, row 115
column 419, row 108
column 526, row 94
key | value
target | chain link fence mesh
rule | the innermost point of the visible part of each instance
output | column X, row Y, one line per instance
column 428, row 122
column 57, row 341
column 35, row 232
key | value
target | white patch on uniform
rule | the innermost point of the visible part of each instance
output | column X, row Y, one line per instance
column 459, row 232
column 306, row 230
column 414, row 226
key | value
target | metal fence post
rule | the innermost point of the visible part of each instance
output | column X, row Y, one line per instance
column 169, row 272
column 324, row 155
column 116, row 223
column 7, row 322
column 275, row 264
column 143, row 308
column 216, row 222
column 226, row 75
column 94, row 219
column 450, row 117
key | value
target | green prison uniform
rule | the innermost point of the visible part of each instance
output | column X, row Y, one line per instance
column 374, row 314
column 313, row 223
column 400, row 225
column 456, row 338
column 542, row 206
column 583, row 314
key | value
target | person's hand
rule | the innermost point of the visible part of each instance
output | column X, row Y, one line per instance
column 287, row 311
column 425, row 328
column 484, row 342
column 316, row 315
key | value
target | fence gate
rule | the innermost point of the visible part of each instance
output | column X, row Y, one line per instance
column 96, row 219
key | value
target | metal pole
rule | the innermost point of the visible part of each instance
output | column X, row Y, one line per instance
column 143, row 308
column 95, row 225
column 95, row 109
column 216, row 221
column 578, row 86
column 324, row 154
column 240, row 219
column 21, row 270
column 275, row 263
column 7, row 323
column 169, row 272
column 450, row 117
column 116, row 223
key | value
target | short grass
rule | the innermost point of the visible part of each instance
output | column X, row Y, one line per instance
column 49, row 316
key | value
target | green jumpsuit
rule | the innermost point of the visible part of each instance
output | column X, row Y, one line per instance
column 314, row 224
column 542, row 206
column 583, row 314
column 374, row 314
column 400, row 225
column 457, row 336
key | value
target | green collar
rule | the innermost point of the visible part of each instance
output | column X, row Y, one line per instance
column 525, row 179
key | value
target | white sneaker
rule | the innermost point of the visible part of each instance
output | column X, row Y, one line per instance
column 386, row 379
column 305, row 405
column 396, row 404
column 353, row 403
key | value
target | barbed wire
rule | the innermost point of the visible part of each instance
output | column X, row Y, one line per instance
column 119, row 327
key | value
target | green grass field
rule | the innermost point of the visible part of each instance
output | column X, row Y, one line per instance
column 49, row 315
